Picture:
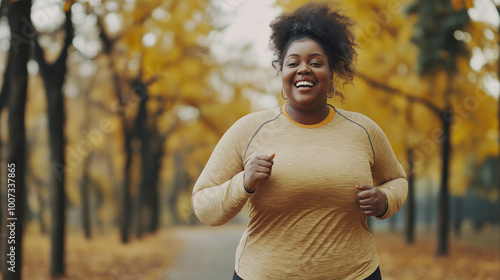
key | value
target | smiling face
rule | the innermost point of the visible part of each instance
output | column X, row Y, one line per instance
column 306, row 75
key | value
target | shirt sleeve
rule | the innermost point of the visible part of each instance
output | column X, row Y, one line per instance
column 388, row 174
column 219, row 193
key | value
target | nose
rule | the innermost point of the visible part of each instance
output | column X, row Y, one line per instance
column 303, row 69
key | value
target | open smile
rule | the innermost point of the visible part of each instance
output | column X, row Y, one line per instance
column 304, row 84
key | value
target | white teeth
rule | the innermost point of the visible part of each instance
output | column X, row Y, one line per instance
column 304, row 83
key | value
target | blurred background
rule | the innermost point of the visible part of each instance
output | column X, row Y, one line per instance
column 111, row 108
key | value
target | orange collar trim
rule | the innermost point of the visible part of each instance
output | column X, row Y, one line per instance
column 331, row 115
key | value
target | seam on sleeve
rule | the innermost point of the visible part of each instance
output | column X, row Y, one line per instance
column 253, row 136
column 368, row 134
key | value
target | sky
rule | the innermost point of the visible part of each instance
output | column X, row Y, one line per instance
column 248, row 23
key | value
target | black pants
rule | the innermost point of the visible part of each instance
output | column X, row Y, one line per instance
column 374, row 276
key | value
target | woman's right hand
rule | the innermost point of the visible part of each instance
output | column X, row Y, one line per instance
column 257, row 169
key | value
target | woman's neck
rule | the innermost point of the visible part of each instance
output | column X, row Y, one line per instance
column 308, row 117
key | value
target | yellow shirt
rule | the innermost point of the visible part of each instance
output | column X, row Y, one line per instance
column 305, row 221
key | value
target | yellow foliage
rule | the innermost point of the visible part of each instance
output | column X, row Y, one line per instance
column 191, row 68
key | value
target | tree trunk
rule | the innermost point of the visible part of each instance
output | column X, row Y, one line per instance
column 180, row 181
column 19, row 21
column 4, row 97
column 85, row 183
column 143, row 132
column 151, row 160
column 126, row 199
column 156, row 161
column 56, row 116
column 3, row 103
column 410, row 201
column 151, row 155
column 85, row 200
column 443, row 201
column 125, row 194
column 53, row 77
column 429, row 212
column 457, row 223
column 5, row 92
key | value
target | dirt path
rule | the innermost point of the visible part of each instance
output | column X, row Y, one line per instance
column 208, row 253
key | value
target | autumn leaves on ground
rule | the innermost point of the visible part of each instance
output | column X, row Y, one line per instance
column 473, row 256
column 104, row 257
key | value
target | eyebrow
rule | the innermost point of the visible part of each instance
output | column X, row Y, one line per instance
column 313, row 54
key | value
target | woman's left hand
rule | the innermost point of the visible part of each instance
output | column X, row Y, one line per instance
column 371, row 200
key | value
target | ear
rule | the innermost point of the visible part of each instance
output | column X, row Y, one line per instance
column 331, row 75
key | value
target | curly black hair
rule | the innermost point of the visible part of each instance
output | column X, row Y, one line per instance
column 323, row 23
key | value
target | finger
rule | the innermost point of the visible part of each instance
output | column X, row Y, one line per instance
column 266, row 157
column 262, row 169
column 365, row 201
column 369, row 213
column 264, row 163
column 261, row 176
column 364, row 195
column 366, row 207
column 364, row 187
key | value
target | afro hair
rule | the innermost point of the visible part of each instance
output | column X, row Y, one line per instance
column 324, row 24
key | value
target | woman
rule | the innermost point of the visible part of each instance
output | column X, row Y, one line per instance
column 307, row 169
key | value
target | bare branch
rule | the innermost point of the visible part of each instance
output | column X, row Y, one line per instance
column 70, row 31
column 107, row 42
column 39, row 57
column 395, row 91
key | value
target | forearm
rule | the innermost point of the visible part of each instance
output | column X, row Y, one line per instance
column 218, row 204
column 395, row 191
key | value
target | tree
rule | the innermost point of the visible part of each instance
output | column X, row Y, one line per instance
column 86, row 181
column 439, row 51
column 17, row 80
column 53, row 75
column 125, row 194
column 172, row 72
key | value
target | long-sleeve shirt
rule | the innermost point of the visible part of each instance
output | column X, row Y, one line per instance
column 305, row 220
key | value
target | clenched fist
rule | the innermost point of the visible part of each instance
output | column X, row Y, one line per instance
column 371, row 200
column 257, row 169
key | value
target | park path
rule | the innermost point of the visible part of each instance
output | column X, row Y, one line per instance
column 208, row 253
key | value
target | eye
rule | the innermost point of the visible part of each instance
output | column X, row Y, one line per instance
column 316, row 64
column 292, row 64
